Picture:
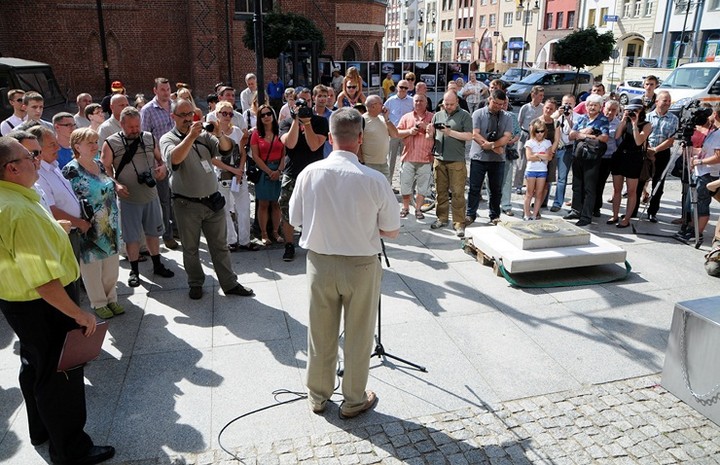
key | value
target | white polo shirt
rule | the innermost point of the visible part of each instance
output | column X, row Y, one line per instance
column 57, row 189
column 342, row 206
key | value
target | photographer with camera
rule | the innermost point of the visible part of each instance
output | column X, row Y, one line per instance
column 189, row 150
column 133, row 160
column 564, row 117
column 451, row 127
column 706, row 169
column 661, row 140
column 303, row 135
column 492, row 130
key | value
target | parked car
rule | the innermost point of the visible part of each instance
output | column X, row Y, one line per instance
column 693, row 81
column 513, row 75
column 16, row 73
column 627, row 90
column 485, row 77
column 555, row 83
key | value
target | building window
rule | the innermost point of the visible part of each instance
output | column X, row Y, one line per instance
column 471, row 23
column 649, row 4
column 571, row 20
column 248, row 6
column 603, row 14
column 638, row 8
column 444, row 5
column 483, row 2
column 518, row 15
column 559, row 22
column 450, row 4
column 459, row 26
column 493, row 2
column 482, row 20
column 591, row 17
column 714, row 5
column 528, row 17
column 493, row 20
column 548, row 21
column 626, row 8
column 507, row 19
column 445, row 51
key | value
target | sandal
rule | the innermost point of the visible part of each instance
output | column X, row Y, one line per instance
column 612, row 220
column 278, row 239
column 266, row 241
column 419, row 215
column 404, row 213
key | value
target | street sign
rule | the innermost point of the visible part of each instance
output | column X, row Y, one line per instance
column 611, row 18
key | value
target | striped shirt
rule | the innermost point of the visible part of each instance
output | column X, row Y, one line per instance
column 663, row 127
column 34, row 248
column 156, row 119
column 417, row 148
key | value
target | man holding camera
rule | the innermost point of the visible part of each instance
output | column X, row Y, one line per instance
column 451, row 127
column 303, row 135
column 564, row 117
column 199, row 207
column 132, row 158
column 660, row 141
column 492, row 130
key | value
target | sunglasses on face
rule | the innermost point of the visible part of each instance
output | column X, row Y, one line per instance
column 266, row 115
column 352, row 87
column 409, row 79
column 19, row 100
column 187, row 114
column 540, row 131
column 404, row 88
column 227, row 114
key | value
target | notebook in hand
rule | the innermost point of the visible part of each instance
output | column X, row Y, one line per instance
column 78, row 349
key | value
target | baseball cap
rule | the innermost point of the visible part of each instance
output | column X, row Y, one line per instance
column 117, row 86
column 635, row 105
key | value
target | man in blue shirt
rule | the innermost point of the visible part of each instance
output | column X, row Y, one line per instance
column 275, row 91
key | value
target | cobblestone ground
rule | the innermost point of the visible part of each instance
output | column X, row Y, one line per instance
column 633, row 421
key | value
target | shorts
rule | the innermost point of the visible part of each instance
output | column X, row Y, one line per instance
column 410, row 172
column 536, row 174
column 138, row 218
column 287, row 186
column 704, row 197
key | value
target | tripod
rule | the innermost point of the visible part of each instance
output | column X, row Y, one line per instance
column 379, row 348
column 689, row 188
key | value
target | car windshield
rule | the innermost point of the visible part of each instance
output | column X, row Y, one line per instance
column 533, row 78
column 690, row 78
column 513, row 73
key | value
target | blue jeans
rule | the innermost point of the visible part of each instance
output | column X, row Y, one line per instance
column 564, row 165
column 495, row 171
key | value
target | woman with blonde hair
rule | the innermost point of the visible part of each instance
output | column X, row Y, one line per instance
column 232, row 182
column 99, row 258
column 185, row 94
column 352, row 92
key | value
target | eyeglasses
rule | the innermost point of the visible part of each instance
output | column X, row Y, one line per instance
column 227, row 114
column 409, row 79
column 18, row 100
column 539, row 131
column 265, row 114
column 187, row 114
column 352, row 87
column 404, row 88
column 67, row 125
column 30, row 155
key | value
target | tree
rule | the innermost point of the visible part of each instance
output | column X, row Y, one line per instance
column 582, row 48
column 278, row 29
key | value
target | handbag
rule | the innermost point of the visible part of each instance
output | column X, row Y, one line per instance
column 648, row 169
column 511, row 153
column 214, row 202
column 253, row 172
column 590, row 149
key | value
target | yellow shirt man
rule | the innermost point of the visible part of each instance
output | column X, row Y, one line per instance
column 387, row 84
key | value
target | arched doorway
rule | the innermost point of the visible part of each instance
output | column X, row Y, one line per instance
column 351, row 52
column 376, row 52
column 633, row 49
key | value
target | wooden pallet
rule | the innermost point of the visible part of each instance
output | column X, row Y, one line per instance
column 486, row 260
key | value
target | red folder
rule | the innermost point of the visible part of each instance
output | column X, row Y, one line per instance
column 78, row 349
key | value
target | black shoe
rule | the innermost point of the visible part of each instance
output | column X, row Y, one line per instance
column 240, row 290
column 582, row 223
column 289, row 254
column 653, row 218
column 573, row 215
column 196, row 292
column 596, row 214
column 95, row 454
column 163, row 272
column 233, row 247
column 554, row 209
column 134, row 280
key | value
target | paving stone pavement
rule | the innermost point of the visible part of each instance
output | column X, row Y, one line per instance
column 626, row 422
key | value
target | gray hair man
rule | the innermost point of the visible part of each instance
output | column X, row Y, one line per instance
column 376, row 136
column 343, row 269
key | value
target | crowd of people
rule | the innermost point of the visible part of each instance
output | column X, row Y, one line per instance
column 115, row 178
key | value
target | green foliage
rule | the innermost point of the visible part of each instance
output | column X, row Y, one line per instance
column 584, row 47
column 278, row 29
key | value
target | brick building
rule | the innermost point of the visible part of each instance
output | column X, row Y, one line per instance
column 184, row 41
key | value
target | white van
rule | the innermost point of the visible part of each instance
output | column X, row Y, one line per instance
column 692, row 81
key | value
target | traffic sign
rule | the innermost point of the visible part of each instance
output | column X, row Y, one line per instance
column 611, row 18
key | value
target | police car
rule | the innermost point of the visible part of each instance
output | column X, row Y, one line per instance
column 628, row 90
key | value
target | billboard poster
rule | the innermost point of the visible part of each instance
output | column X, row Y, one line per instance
column 374, row 74
column 426, row 72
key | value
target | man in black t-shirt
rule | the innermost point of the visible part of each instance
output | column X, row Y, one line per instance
column 304, row 139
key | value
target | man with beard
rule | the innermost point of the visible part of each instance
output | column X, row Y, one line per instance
column 132, row 158
column 188, row 151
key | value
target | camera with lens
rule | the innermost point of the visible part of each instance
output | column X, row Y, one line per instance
column 492, row 136
column 567, row 109
column 209, row 127
column 146, row 178
column 301, row 110
column 439, row 126
column 692, row 115
column 631, row 113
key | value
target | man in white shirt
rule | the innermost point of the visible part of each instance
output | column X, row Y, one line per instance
column 474, row 93
column 82, row 101
column 376, row 137
column 112, row 124
column 15, row 97
column 343, row 269
column 247, row 95
column 397, row 105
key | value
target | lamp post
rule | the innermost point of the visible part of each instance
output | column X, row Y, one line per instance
column 523, row 8
column 427, row 42
column 420, row 24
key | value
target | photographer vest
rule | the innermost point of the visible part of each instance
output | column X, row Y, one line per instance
column 142, row 162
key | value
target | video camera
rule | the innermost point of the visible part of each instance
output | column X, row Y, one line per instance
column 566, row 109
column 690, row 116
column 303, row 110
